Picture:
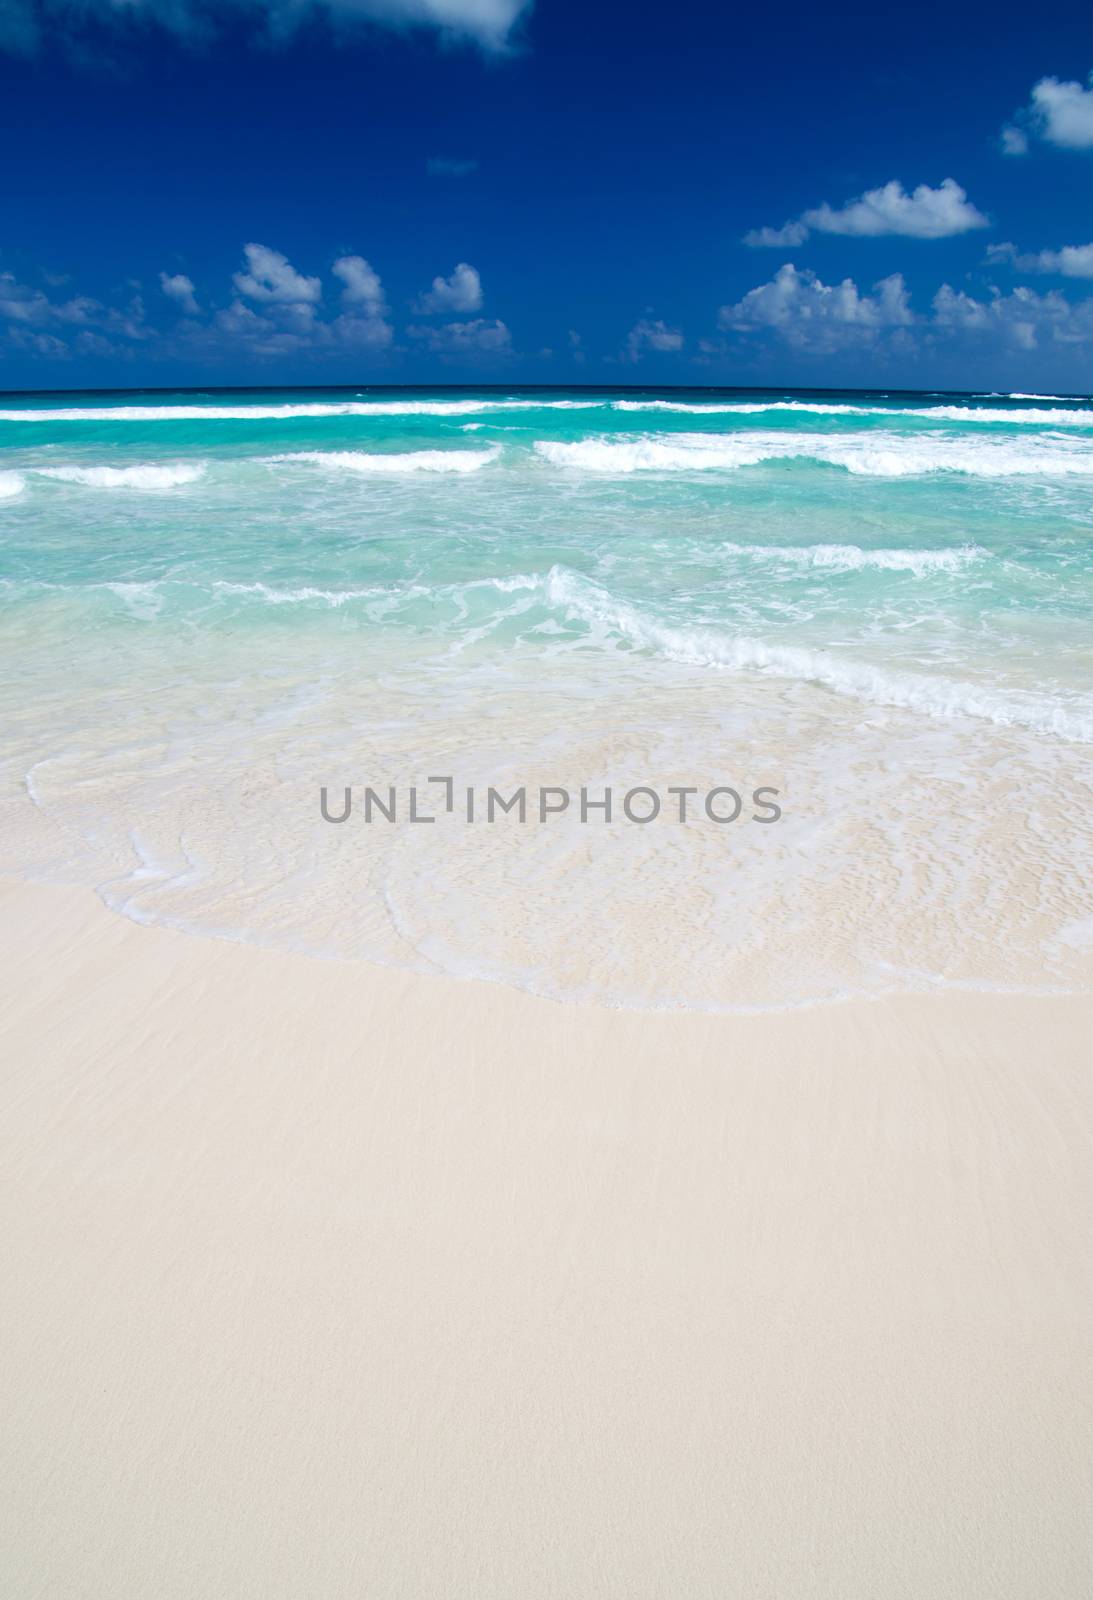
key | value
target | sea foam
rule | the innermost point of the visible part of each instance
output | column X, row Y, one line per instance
column 145, row 476
column 1071, row 417
column 852, row 558
column 878, row 454
column 582, row 600
column 289, row 411
column 373, row 461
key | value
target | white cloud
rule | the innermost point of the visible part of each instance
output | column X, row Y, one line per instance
column 1062, row 113
column 828, row 320
column 18, row 303
column 925, row 214
column 489, row 24
column 21, row 304
column 647, row 335
column 1023, row 319
column 1071, row 261
column 82, row 325
column 479, row 337
column 271, row 278
column 261, row 336
column 361, row 284
column 284, row 320
column 461, row 292
column 363, row 322
column 787, row 237
column 811, row 314
column 366, row 331
column 179, row 288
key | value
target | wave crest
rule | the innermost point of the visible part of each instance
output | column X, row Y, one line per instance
column 875, row 455
column 406, row 461
column 290, row 411
column 1070, row 417
column 145, row 476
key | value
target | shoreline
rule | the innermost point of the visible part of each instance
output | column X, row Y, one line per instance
column 331, row 1279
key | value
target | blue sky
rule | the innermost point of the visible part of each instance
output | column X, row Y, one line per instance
column 404, row 191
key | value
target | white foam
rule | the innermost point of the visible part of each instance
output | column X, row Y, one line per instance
column 1054, row 418
column 287, row 412
column 1069, row 418
column 141, row 600
column 285, row 597
column 11, row 484
column 405, row 461
column 879, row 454
column 584, row 601
column 170, row 476
column 740, row 407
column 852, row 558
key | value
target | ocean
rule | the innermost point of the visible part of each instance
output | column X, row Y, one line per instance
column 876, row 607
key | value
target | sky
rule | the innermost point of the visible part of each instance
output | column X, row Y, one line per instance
column 267, row 192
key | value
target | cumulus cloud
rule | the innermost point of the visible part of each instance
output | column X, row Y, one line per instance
column 1024, row 318
column 363, row 322
column 796, row 308
column 646, row 335
column 924, row 214
column 461, row 292
column 811, row 314
column 361, row 284
column 480, row 337
column 18, row 303
column 787, row 237
column 275, row 311
column 491, row 25
column 1061, row 113
column 1072, row 261
column 32, row 321
column 270, row 277
column 179, row 288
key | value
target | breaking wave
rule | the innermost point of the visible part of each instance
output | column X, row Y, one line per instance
column 11, row 484
column 405, row 461
column 1068, row 418
column 140, row 477
column 880, row 455
column 290, row 411
column 1071, row 415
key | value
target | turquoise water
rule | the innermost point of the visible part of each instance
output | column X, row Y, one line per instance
column 882, row 603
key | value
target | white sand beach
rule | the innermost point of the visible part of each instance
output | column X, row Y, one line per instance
column 322, row 1280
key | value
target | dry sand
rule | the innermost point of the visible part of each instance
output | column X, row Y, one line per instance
column 324, row 1281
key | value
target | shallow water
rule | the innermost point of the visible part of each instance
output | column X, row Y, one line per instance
column 880, row 606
